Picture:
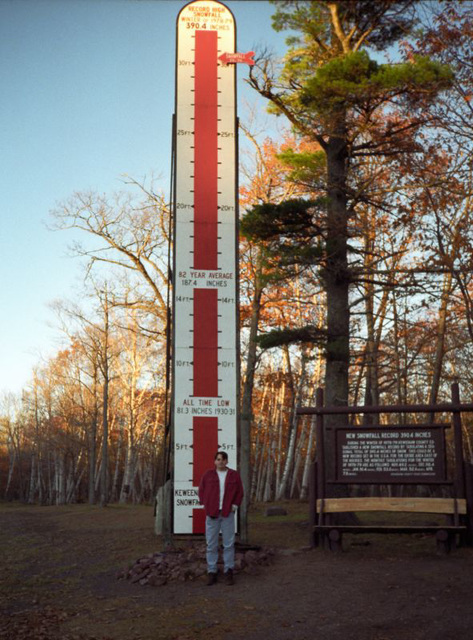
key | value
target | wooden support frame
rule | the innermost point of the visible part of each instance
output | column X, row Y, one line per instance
column 458, row 508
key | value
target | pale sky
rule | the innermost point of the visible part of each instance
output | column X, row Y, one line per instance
column 87, row 92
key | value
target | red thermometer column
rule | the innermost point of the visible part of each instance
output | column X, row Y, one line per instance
column 205, row 259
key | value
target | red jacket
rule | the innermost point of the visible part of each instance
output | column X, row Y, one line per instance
column 209, row 492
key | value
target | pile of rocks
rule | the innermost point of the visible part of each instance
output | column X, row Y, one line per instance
column 179, row 565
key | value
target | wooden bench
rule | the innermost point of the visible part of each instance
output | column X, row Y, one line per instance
column 445, row 533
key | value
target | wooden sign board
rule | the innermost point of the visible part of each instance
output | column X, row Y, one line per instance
column 389, row 454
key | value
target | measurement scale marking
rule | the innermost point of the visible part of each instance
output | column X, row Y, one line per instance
column 205, row 151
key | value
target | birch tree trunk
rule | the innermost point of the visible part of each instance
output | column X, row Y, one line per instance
column 440, row 338
column 92, row 440
column 268, row 493
column 261, row 468
column 60, row 479
column 281, row 490
column 70, row 481
column 264, row 475
column 308, row 460
column 118, row 457
column 11, row 468
column 98, row 469
column 397, row 355
column 33, row 479
column 279, row 412
column 34, row 469
column 51, row 495
column 104, row 462
column 298, row 456
column 129, row 470
column 310, row 446
column 256, row 459
column 106, row 382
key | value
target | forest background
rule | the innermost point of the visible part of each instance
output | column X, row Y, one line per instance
column 355, row 265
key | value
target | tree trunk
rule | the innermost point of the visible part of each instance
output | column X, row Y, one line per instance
column 51, row 494
column 246, row 410
column 397, row 355
column 129, row 470
column 336, row 274
column 93, row 438
column 281, row 490
column 280, row 422
column 308, row 460
column 256, row 458
column 104, row 464
column 116, row 472
column 106, row 382
column 371, row 379
column 261, row 467
column 33, row 478
column 264, row 471
column 268, row 492
column 11, row 467
column 440, row 340
column 70, row 480
column 310, row 445
column 298, row 457
column 337, row 281
column 60, row 477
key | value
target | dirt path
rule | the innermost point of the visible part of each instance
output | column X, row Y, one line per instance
column 59, row 582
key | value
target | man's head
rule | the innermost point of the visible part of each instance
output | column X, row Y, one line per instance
column 221, row 460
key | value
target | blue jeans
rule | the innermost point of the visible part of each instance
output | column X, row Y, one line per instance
column 213, row 526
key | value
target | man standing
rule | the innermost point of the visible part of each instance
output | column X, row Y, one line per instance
column 221, row 493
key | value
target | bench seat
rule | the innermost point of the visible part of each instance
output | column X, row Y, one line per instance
column 447, row 506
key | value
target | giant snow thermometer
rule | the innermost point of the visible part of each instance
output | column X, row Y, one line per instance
column 205, row 353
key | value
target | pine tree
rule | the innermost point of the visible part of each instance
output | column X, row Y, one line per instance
column 335, row 94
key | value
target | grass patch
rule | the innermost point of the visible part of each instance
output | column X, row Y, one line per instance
column 291, row 531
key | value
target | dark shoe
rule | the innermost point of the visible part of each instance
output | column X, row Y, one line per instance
column 229, row 577
column 211, row 579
